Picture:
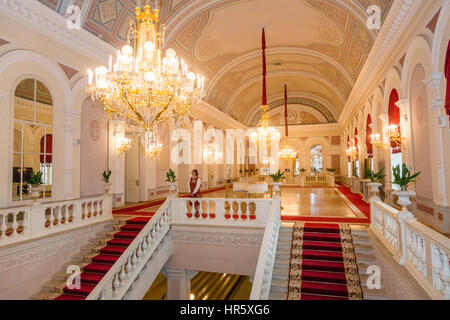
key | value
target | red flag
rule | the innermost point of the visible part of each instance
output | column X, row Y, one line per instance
column 264, row 94
column 285, row 111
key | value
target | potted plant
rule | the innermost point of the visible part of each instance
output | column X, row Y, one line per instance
column 35, row 181
column 375, row 179
column 403, row 178
column 277, row 177
column 240, row 172
column 106, row 175
column 302, row 170
column 331, row 171
column 172, row 179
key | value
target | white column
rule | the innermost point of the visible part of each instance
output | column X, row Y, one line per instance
column 71, row 142
column 179, row 283
column 438, row 126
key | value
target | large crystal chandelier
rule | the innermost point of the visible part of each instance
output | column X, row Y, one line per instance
column 287, row 153
column 143, row 87
column 265, row 134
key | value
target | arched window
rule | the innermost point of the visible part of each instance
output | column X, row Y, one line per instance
column 394, row 119
column 368, row 134
column 447, row 76
column 33, row 137
column 316, row 159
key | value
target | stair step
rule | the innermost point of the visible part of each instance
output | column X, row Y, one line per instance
column 322, row 265
column 97, row 268
column 90, row 278
column 321, row 237
column 321, row 228
column 338, row 290
column 320, row 297
column 322, row 245
column 125, row 235
column 132, row 227
column 119, row 242
column 70, row 297
column 138, row 220
column 322, row 255
column 104, row 258
column 324, row 276
column 83, row 290
column 113, row 250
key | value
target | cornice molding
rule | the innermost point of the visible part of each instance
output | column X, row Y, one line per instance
column 37, row 16
column 381, row 58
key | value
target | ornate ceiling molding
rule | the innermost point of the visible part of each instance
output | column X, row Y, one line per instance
column 274, row 74
column 36, row 15
column 273, row 51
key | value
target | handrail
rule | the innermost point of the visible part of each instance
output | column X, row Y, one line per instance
column 126, row 269
column 266, row 259
column 423, row 251
column 31, row 222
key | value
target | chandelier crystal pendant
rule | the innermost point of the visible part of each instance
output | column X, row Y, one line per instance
column 144, row 87
column 287, row 153
column 265, row 134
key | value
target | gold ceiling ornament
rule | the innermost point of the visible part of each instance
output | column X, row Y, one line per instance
column 143, row 87
column 287, row 153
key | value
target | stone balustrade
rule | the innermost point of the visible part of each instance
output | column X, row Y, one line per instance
column 31, row 222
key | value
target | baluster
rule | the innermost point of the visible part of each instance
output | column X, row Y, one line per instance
column 3, row 226
column 423, row 257
column 186, row 207
column 445, row 273
column 102, row 293
column 58, row 215
column 419, row 253
column 208, row 212
column 144, row 243
column 199, row 212
column 65, row 214
column 116, row 284
column 413, row 248
column 52, row 217
column 129, row 267
column 123, row 273
column 244, row 214
column 90, row 209
column 139, row 250
column 14, row 225
column 436, row 264
column 133, row 259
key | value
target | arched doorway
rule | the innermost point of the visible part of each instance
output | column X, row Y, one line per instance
column 394, row 120
column 316, row 155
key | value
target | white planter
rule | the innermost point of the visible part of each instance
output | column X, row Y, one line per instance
column 276, row 188
column 173, row 190
column 107, row 187
column 35, row 192
column 373, row 190
column 404, row 201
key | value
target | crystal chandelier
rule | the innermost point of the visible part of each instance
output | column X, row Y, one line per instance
column 265, row 134
column 287, row 153
column 393, row 134
column 143, row 87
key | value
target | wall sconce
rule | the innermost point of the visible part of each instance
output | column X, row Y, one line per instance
column 124, row 145
column 376, row 139
column 393, row 134
column 352, row 152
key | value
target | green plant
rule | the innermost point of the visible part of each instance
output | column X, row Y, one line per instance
column 403, row 178
column 171, row 177
column 331, row 170
column 302, row 170
column 35, row 179
column 375, row 177
column 106, row 174
column 278, row 176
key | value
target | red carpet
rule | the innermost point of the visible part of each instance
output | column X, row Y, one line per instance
column 101, row 263
column 317, row 269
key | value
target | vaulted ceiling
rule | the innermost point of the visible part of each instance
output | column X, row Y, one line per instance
column 316, row 47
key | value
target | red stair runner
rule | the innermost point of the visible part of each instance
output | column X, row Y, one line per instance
column 101, row 263
column 320, row 273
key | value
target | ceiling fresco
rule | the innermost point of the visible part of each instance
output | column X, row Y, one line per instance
column 316, row 47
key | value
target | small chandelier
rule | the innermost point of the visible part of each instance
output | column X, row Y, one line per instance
column 151, row 143
column 352, row 152
column 265, row 134
column 375, row 139
column 287, row 153
column 393, row 134
column 144, row 87
column 124, row 145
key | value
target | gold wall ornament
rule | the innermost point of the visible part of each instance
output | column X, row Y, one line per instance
column 376, row 139
column 124, row 145
column 393, row 134
column 352, row 152
column 143, row 86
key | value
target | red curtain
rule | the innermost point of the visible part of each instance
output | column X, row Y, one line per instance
column 394, row 117
column 447, row 76
column 46, row 147
column 368, row 134
column 356, row 140
column 348, row 146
